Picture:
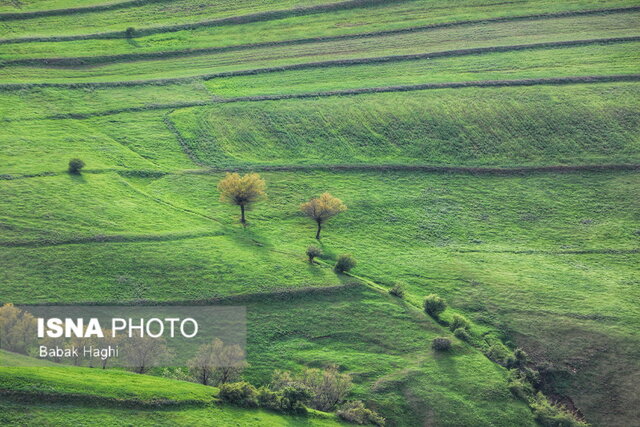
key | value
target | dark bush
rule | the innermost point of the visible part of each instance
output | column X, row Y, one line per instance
column 313, row 252
column 240, row 393
column 397, row 290
column 75, row 166
column 356, row 412
column 458, row 322
column 441, row 344
column 345, row 263
column 462, row 334
column 130, row 32
column 521, row 357
column 434, row 305
column 294, row 398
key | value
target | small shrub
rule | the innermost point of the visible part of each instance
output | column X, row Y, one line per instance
column 356, row 412
column 521, row 357
column 499, row 354
column 345, row 263
column 397, row 290
column 434, row 305
column 462, row 334
column 441, row 344
column 240, row 393
column 313, row 252
column 459, row 322
column 294, row 398
column 130, row 32
column 75, row 166
column 519, row 386
column 269, row 399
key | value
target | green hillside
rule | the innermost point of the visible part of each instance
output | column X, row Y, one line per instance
column 487, row 152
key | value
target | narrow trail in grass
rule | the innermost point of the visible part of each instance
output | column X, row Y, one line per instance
column 265, row 16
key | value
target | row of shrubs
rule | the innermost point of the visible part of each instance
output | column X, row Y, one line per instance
column 344, row 263
column 524, row 381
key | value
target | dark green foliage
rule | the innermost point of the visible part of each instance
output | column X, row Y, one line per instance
column 345, row 263
column 553, row 415
column 434, row 305
column 130, row 32
column 441, row 344
column 521, row 357
column 462, row 334
column 355, row 412
column 75, row 166
column 313, row 252
column 240, row 394
column 269, row 399
column 459, row 322
column 519, row 385
column 397, row 290
column 294, row 398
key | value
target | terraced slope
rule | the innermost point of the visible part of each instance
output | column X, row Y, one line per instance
column 487, row 152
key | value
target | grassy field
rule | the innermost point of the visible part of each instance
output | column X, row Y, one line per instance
column 545, row 260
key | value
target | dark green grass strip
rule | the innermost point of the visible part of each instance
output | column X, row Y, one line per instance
column 353, row 4
column 75, row 10
column 344, row 92
column 78, row 61
column 232, row 20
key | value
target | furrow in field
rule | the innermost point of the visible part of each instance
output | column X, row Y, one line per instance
column 78, row 61
column 344, row 92
column 280, row 14
column 474, row 170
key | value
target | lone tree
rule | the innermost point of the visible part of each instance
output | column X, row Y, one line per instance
column 322, row 208
column 241, row 190
column 75, row 166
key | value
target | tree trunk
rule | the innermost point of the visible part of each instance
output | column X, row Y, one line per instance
column 242, row 218
column 319, row 228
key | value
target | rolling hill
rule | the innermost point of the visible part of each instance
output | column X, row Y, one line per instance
column 487, row 152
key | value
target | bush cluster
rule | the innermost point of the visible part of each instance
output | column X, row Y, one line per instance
column 356, row 412
column 288, row 400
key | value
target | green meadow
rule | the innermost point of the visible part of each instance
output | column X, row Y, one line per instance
column 517, row 204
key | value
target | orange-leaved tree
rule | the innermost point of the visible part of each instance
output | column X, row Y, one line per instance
column 322, row 208
column 242, row 190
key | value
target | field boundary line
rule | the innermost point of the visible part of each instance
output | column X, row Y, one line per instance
column 492, row 170
column 350, row 4
column 73, row 62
